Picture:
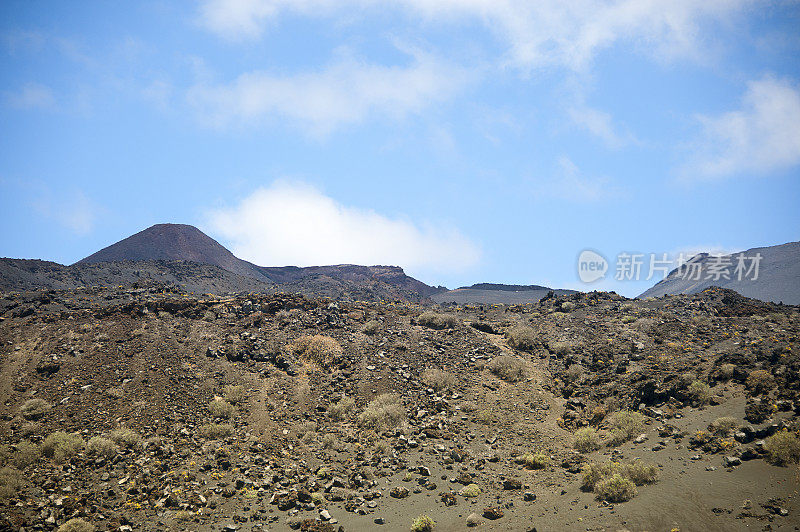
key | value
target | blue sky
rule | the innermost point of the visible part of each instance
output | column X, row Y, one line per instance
column 468, row 141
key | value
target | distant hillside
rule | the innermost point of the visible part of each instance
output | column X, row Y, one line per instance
column 173, row 242
column 185, row 256
column 496, row 294
column 778, row 275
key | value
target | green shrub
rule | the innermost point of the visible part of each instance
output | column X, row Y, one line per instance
column 586, row 440
column 522, row 337
column 34, row 408
column 319, row 349
column 234, row 393
column 567, row 306
column 125, row 437
column 535, row 460
column 625, row 425
column 61, row 446
column 615, row 488
column 220, row 408
column 20, row 455
column 760, row 381
column 76, row 524
column 100, row 446
column 371, row 327
column 507, row 367
column 700, row 393
column 215, row 431
column 10, row 482
column 423, row 523
column 596, row 477
column 783, row 448
column 383, row 413
column 433, row 320
column 640, row 473
column 342, row 409
column 437, row 379
column 723, row 426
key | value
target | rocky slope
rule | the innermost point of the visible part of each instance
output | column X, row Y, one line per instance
column 778, row 275
column 269, row 412
column 496, row 294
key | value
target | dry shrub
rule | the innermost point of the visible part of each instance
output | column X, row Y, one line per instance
column 560, row 348
column 615, row 488
column 468, row 407
column 433, row 320
column 319, row 349
column 470, row 491
column 522, row 337
column 215, row 431
column 723, row 426
column 383, row 413
column 76, row 524
column 625, row 425
column 371, row 327
column 617, row 481
column 20, row 455
column 567, row 306
column 485, row 417
column 699, row 392
column 783, row 448
column 534, row 460
column 573, row 373
column 507, row 367
column 100, row 446
column 10, row 482
column 220, row 408
column 586, row 440
column 342, row 409
column 726, row 371
column 438, row 380
column 34, row 408
column 759, row 381
column 61, row 446
column 234, row 393
column 125, row 437
column 423, row 523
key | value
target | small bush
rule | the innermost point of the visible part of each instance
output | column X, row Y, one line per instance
column 723, row 426
column 100, row 446
column 471, row 491
column 220, row 408
column 535, row 460
column 726, row 371
column 508, row 368
column 383, row 413
column 573, row 373
column 625, row 425
column 783, row 448
column 61, row 446
column 640, row 473
column 234, row 393
column 433, row 320
column 20, row 455
column 484, row 417
column 615, row 488
column 628, row 319
column 759, row 381
column 699, row 392
column 34, row 408
column 438, row 380
column 567, row 306
column 423, row 523
column 125, row 437
column 341, row 410
column 319, row 349
column 215, row 431
column 10, row 482
column 76, row 524
column 522, row 338
column 371, row 327
column 586, row 440
column 560, row 348
column 468, row 407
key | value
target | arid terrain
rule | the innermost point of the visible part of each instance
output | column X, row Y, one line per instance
column 144, row 408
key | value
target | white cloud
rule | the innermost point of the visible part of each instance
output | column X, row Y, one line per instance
column 345, row 92
column 571, row 184
column 32, row 96
column 600, row 124
column 295, row 224
column 762, row 136
column 536, row 33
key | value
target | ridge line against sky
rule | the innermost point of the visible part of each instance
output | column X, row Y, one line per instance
column 465, row 140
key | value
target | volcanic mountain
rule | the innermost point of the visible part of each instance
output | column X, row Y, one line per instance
column 172, row 242
column 778, row 278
